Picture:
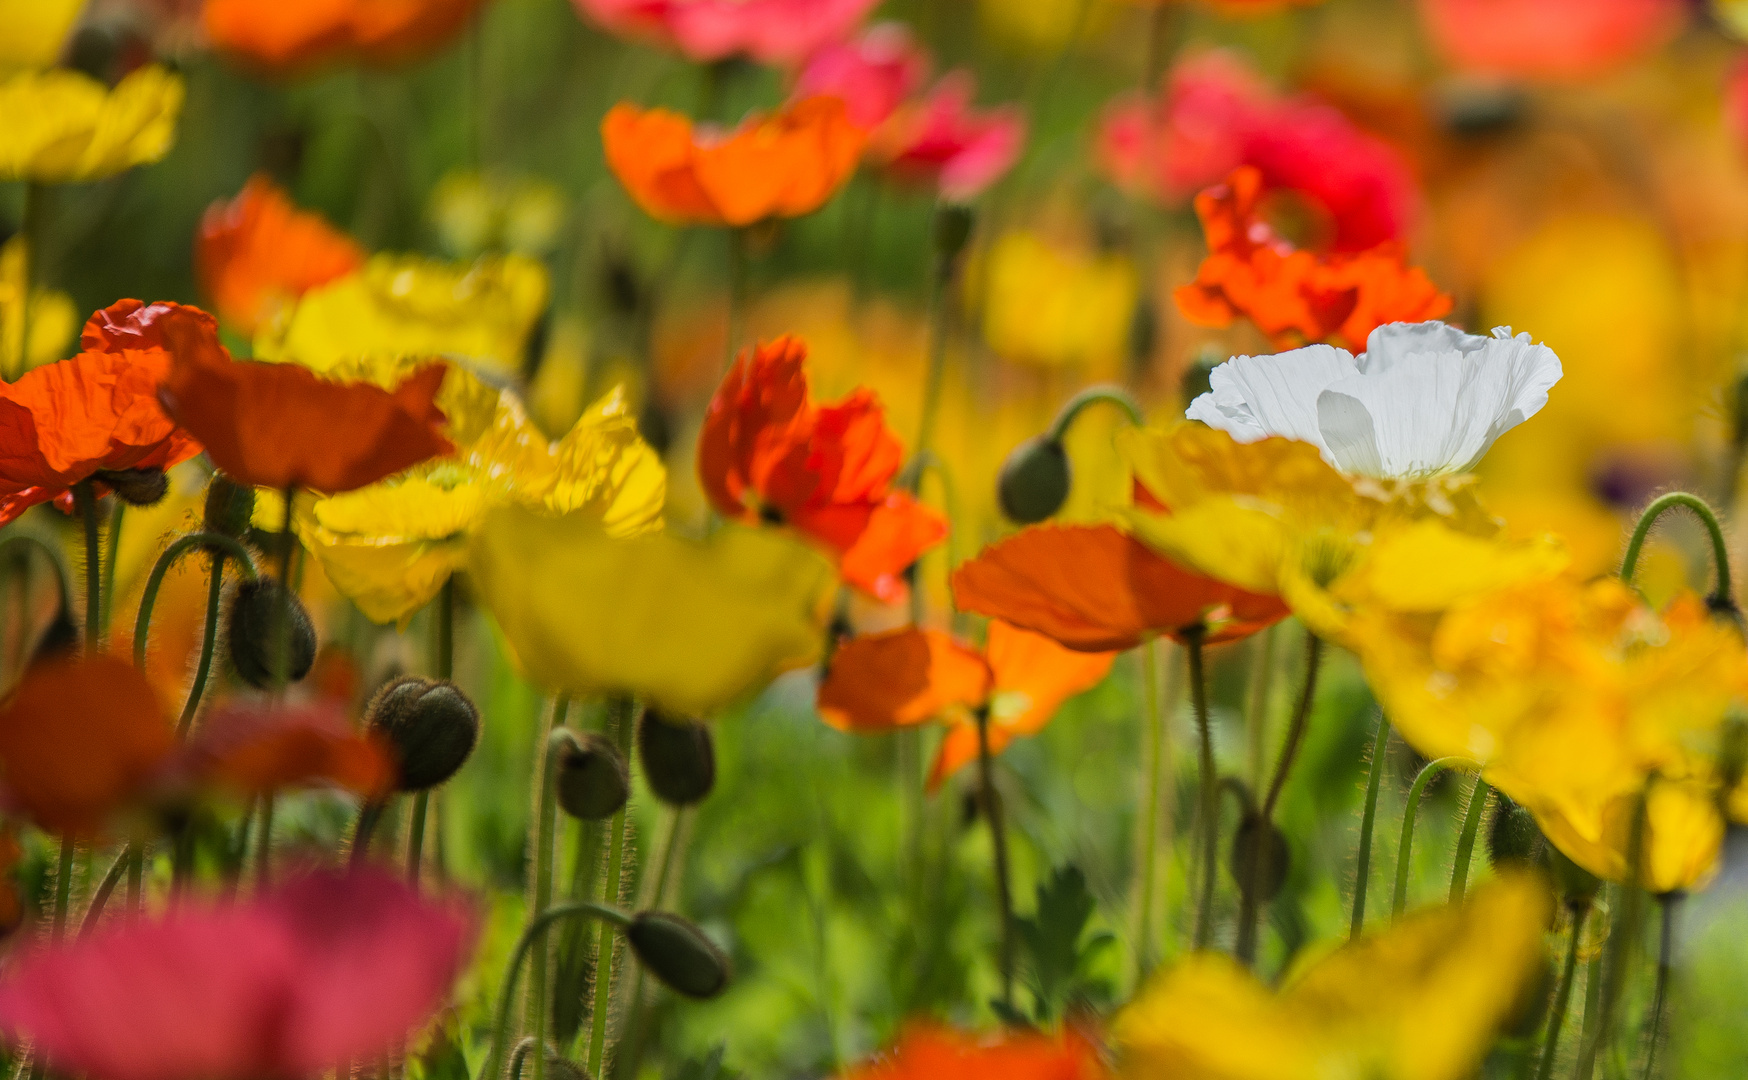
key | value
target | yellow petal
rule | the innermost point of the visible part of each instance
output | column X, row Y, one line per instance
column 64, row 127
column 1210, row 1019
column 54, row 321
column 36, row 31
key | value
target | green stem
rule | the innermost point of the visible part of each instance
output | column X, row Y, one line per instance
column 604, row 944
column 63, row 575
column 1466, row 840
column 1702, row 510
column 1207, row 792
column 444, row 647
column 992, row 813
column 545, row 828
column 221, row 546
column 1665, row 956
column 416, row 835
column 282, row 618
column 1405, row 849
column 1147, row 818
column 63, row 887
column 1374, row 777
column 85, row 498
column 264, row 844
column 136, row 877
column 1114, row 395
column 536, row 929
column 1562, row 995
column 365, row 828
column 115, row 515
column 1621, row 940
column 99, row 899
column 1257, row 700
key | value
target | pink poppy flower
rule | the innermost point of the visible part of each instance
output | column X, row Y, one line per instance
column 873, row 74
column 327, row 968
column 1549, row 39
column 943, row 140
column 769, row 31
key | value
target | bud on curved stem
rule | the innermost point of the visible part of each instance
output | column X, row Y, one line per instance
column 1410, row 812
column 679, row 758
column 1723, row 597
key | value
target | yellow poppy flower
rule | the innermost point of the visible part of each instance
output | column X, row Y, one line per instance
column 390, row 546
column 406, row 305
column 36, row 31
column 474, row 212
column 687, row 625
column 1053, row 306
column 1422, row 1000
column 53, row 319
column 64, row 127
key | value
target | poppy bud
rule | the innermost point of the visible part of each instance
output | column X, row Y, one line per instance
column 678, row 953
column 1034, row 480
column 136, row 487
column 253, row 632
column 679, row 760
column 952, row 231
column 592, row 779
column 229, row 506
column 557, row 1068
column 1575, row 884
column 1269, row 865
column 1514, row 837
column 431, row 725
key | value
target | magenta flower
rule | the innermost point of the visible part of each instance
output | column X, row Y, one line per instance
column 327, row 968
column 769, row 31
column 944, row 141
column 873, row 74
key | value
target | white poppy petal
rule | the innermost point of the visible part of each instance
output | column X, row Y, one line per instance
column 1253, row 397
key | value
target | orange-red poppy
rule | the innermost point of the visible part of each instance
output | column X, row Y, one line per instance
column 768, row 453
column 248, row 748
column 1292, row 295
column 257, row 252
column 75, row 419
column 781, row 164
column 279, row 426
column 930, row 1052
column 276, row 35
column 1095, row 588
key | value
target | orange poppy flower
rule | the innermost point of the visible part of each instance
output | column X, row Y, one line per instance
column 248, row 748
column 929, row 1052
column 1094, row 588
column 783, row 164
column 278, row 425
column 1296, row 296
column 279, row 36
column 75, row 419
column 768, row 453
column 257, row 252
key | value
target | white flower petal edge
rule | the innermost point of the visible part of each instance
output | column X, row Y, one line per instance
column 1253, row 397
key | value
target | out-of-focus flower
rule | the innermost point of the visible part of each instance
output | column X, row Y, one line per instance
column 928, row 1052
column 64, row 127
column 781, row 164
column 11, row 906
column 53, row 318
column 1422, row 1000
column 389, row 547
column 476, row 213
column 324, row 969
column 1054, row 305
column 1293, row 295
column 36, row 31
column 1736, row 98
column 768, row 454
column 689, row 626
column 874, row 74
column 250, row 748
column 407, row 305
column 945, row 143
column 1549, row 39
column 1424, row 399
column 1216, row 114
column 278, row 426
column 1732, row 14
column 282, row 37
column 1043, row 27
column 1091, row 587
column 76, row 419
column 769, row 31
column 257, row 253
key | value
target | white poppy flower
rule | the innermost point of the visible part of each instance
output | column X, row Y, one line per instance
column 1424, row 398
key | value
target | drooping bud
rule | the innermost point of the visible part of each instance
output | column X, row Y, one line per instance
column 678, row 953
column 1034, row 480
column 1575, row 884
column 229, row 506
column 679, row 759
column 1267, row 867
column 136, row 487
column 431, row 726
column 1513, row 837
column 592, row 778
column 252, row 629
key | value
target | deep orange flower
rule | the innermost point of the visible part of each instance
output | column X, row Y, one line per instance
column 278, row 425
column 783, row 164
column 1093, row 588
column 1292, row 295
column 929, row 1052
column 75, row 419
column 768, row 453
column 277, row 35
column 257, row 252
column 247, row 748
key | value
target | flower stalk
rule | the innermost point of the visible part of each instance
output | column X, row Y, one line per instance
column 627, row 721
column 221, row 547
column 1478, row 796
column 1563, row 993
column 1405, row 850
column 1722, row 593
column 992, row 813
column 1147, row 829
column 1368, row 822
column 1207, row 791
column 545, row 829
column 443, row 646
column 1667, row 904
column 536, row 929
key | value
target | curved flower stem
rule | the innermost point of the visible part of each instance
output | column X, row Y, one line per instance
column 111, row 878
column 1478, row 796
column 1563, row 994
column 1709, row 518
column 221, row 546
column 136, row 877
column 1668, row 902
column 1368, row 821
column 610, row 892
column 992, row 813
column 536, row 928
column 58, row 561
column 63, row 887
column 1207, row 790
column 545, row 828
column 1093, row 395
column 444, row 648
column 1405, row 849
column 1147, row 825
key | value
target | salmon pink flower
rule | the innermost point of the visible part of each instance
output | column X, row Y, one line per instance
column 873, row 74
column 282, row 37
column 768, row 454
column 1549, row 39
column 326, row 968
column 928, row 1052
column 257, row 253
column 769, row 31
column 944, row 142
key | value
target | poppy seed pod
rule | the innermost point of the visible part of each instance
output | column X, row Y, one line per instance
column 678, row 953
column 679, row 759
column 1513, row 836
column 592, row 778
column 136, row 487
column 1034, row 480
column 431, row 725
column 229, row 506
column 1272, row 862
column 252, row 630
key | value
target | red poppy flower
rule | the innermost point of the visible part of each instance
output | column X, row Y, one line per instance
column 768, row 453
column 76, row 419
column 1549, row 39
column 1094, row 588
column 258, row 252
column 324, row 969
column 1295, row 296
column 249, row 748
column 282, row 36
column 278, row 425
column 929, row 1052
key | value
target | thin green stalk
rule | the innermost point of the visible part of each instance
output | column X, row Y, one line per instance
column 1592, row 1002
column 1478, row 796
column 632, row 1030
column 1623, row 937
column 136, row 877
column 111, row 878
column 416, row 835
column 1147, row 817
column 613, row 917
column 1563, row 994
column 1095, row 395
column 1702, row 510
column 215, row 589
column 1256, row 703
column 281, row 675
column 264, row 844
column 57, row 561
column 222, row 546
column 609, row 892
column 85, row 498
column 1405, row 849
column 935, row 374
column 545, row 830
column 992, row 814
column 63, row 887
column 115, row 515
column 364, row 828
column 1374, row 777
column 443, row 646
column 1207, row 791
column 1667, row 902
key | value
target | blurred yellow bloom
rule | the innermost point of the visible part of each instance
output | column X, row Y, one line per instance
column 1053, row 306
column 64, row 127
column 390, row 546
column 1043, row 27
column 476, row 213
column 689, row 626
column 406, row 305
column 53, row 319
column 1422, row 1000
column 36, row 31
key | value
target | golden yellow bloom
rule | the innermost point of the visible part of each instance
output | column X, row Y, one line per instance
column 53, row 319
column 406, row 305
column 36, row 30
column 1052, row 306
column 690, row 626
column 1420, row 1001
column 64, row 127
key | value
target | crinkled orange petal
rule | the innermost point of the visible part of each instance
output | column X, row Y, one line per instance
column 251, row 749
column 285, row 36
column 900, row 678
column 898, row 532
column 257, row 251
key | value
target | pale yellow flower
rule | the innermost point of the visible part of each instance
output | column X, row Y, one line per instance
column 53, row 319
column 1057, row 306
column 64, row 127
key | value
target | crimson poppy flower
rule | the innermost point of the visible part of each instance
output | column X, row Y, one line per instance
column 1549, row 39
column 250, row 747
column 1095, row 588
column 1292, row 295
column 279, row 425
column 74, row 420
column 257, row 252
column 768, row 453
column 931, row 1052
column 326, row 968
column 282, row 36
column 769, row 31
